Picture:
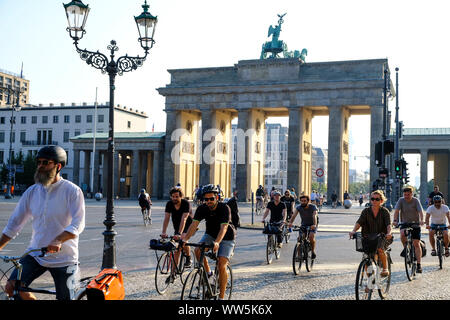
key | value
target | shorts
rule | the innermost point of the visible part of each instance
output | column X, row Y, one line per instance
column 310, row 230
column 415, row 233
column 435, row 226
column 226, row 247
column 64, row 277
column 145, row 206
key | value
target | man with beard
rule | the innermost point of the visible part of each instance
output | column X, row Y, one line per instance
column 439, row 214
column 219, row 232
column 308, row 214
column 278, row 213
column 56, row 207
column 179, row 209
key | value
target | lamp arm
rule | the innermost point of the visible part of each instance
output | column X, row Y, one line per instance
column 95, row 59
column 127, row 64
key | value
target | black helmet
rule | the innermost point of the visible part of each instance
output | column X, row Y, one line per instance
column 437, row 198
column 210, row 188
column 55, row 153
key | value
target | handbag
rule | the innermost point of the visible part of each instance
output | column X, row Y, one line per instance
column 107, row 285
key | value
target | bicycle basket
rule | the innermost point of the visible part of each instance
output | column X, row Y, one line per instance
column 156, row 244
column 358, row 242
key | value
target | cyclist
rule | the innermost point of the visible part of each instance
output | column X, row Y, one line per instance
column 145, row 202
column 314, row 197
column 438, row 212
column 308, row 214
column 219, row 232
column 260, row 193
column 435, row 192
column 179, row 209
column 334, row 199
column 56, row 208
column 409, row 209
column 373, row 220
column 289, row 201
column 278, row 213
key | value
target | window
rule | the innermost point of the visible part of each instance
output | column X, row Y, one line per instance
column 2, row 156
column 77, row 118
column 44, row 119
column 23, row 120
column 2, row 120
column 44, row 137
column 23, row 136
column 66, row 119
column 77, row 133
column 2, row 136
column 129, row 124
column 55, row 119
column 101, row 118
column 34, row 119
column 89, row 118
column 66, row 136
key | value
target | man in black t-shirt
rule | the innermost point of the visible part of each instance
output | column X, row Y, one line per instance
column 278, row 213
column 179, row 209
column 289, row 201
column 435, row 192
column 219, row 232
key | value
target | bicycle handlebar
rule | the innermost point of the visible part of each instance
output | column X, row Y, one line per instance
column 199, row 245
column 12, row 258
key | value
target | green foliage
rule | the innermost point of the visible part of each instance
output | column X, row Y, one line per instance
column 29, row 167
column 357, row 187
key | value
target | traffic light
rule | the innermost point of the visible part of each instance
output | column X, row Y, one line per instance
column 383, row 173
column 378, row 153
column 398, row 166
column 405, row 171
column 389, row 147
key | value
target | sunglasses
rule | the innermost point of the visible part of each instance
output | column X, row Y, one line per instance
column 43, row 162
column 209, row 199
column 437, row 202
column 375, row 199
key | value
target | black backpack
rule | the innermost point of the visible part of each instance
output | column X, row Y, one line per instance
column 235, row 217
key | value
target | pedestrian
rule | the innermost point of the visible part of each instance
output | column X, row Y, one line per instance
column 56, row 208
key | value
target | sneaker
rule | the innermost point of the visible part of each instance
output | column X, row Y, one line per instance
column 419, row 268
column 188, row 263
column 402, row 254
column 280, row 245
column 313, row 255
column 384, row 273
column 433, row 253
column 447, row 253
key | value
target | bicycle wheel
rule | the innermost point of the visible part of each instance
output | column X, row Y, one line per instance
column 309, row 261
column 270, row 249
column 145, row 217
column 276, row 249
column 229, row 287
column 362, row 291
column 194, row 287
column 384, row 282
column 439, row 247
column 297, row 258
column 4, row 276
column 163, row 277
column 287, row 236
column 409, row 261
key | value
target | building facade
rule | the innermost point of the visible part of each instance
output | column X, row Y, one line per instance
column 13, row 81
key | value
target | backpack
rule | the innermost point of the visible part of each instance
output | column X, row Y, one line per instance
column 142, row 199
column 235, row 217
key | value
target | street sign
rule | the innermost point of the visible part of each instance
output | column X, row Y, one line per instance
column 319, row 172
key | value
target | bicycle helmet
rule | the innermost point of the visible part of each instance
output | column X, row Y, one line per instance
column 55, row 153
column 142, row 190
column 437, row 198
column 210, row 188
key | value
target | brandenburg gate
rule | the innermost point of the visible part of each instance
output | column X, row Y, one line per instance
column 252, row 91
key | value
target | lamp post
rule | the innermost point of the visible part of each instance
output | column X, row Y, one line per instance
column 77, row 13
column 15, row 107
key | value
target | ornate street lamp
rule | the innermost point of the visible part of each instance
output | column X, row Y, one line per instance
column 77, row 13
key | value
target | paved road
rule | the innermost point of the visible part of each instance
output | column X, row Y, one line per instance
column 332, row 277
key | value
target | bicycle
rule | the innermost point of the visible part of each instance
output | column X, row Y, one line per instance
column 80, row 293
column 302, row 250
column 198, row 285
column 368, row 276
column 167, row 269
column 286, row 233
column 440, row 244
column 259, row 207
column 272, row 249
column 409, row 251
column 146, row 216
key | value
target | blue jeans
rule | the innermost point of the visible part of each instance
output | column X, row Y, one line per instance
column 62, row 276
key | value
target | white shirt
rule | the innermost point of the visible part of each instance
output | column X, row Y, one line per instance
column 438, row 216
column 313, row 196
column 53, row 209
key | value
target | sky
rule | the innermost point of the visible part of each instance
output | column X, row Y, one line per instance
column 210, row 33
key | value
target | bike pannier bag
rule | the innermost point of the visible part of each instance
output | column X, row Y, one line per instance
column 424, row 248
column 272, row 229
column 156, row 244
column 371, row 243
column 107, row 285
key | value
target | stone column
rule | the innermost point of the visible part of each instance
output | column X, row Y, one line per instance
column 123, row 175
column 337, row 152
column 156, row 191
column 423, row 176
column 87, row 166
column 143, row 171
column 242, row 156
column 76, row 167
column 134, row 192
column 169, row 166
column 205, row 165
